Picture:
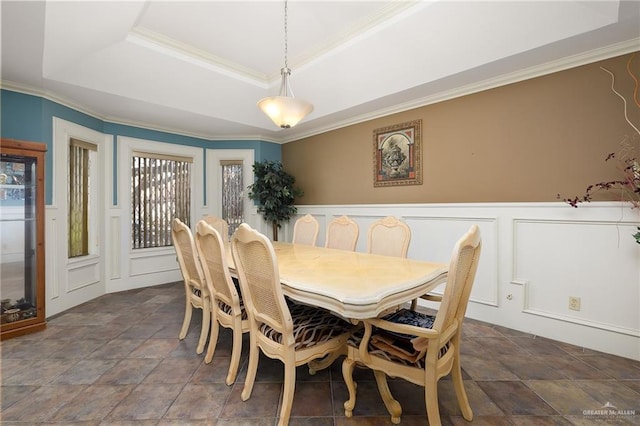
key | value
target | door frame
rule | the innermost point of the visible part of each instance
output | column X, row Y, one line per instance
column 71, row 282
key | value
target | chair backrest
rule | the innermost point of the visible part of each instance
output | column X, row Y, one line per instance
column 305, row 230
column 256, row 264
column 462, row 272
column 390, row 237
column 220, row 225
column 187, row 254
column 342, row 233
column 213, row 257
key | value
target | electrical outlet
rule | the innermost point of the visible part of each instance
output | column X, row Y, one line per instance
column 574, row 303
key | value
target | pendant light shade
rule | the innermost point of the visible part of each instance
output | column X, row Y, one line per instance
column 285, row 110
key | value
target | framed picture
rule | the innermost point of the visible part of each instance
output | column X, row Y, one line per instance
column 397, row 154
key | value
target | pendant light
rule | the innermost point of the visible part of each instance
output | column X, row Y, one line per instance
column 285, row 110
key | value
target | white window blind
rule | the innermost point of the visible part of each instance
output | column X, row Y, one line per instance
column 161, row 191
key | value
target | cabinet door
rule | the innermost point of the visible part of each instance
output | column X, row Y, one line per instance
column 22, row 228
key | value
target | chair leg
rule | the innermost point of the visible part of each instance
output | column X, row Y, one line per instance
column 252, row 367
column 393, row 407
column 347, row 373
column 288, row 392
column 187, row 319
column 461, row 393
column 213, row 338
column 431, row 400
column 235, row 353
column 204, row 331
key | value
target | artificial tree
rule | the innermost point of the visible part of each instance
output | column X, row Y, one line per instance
column 274, row 193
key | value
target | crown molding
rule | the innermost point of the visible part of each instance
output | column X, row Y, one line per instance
column 48, row 95
column 569, row 62
column 375, row 22
column 532, row 72
column 164, row 45
column 44, row 94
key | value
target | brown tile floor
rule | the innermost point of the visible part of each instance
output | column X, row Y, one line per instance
column 117, row 360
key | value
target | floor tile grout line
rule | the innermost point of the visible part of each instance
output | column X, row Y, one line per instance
column 596, row 362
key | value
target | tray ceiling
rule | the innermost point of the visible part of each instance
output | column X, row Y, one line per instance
column 198, row 68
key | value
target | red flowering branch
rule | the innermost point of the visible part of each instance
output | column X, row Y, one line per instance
column 628, row 163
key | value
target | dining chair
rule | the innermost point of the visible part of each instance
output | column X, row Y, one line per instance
column 305, row 230
column 196, row 292
column 418, row 347
column 295, row 334
column 342, row 233
column 389, row 236
column 220, row 225
column 227, row 308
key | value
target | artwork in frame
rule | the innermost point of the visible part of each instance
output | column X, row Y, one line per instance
column 397, row 154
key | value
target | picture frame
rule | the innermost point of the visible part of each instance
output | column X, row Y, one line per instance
column 397, row 154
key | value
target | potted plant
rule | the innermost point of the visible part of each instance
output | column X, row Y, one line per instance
column 274, row 193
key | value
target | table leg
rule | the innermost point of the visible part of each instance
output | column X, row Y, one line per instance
column 347, row 373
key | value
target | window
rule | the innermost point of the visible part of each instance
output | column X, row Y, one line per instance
column 161, row 191
column 81, row 156
column 232, row 193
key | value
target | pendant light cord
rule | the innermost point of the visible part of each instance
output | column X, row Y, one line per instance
column 286, row 41
column 285, row 110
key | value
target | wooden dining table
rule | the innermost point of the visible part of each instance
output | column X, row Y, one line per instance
column 354, row 285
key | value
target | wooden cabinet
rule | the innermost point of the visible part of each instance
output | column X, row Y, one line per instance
column 22, row 264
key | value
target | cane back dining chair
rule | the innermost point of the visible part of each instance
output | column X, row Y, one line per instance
column 220, row 225
column 227, row 308
column 196, row 292
column 305, row 230
column 389, row 237
column 418, row 347
column 342, row 233
column 295, row 334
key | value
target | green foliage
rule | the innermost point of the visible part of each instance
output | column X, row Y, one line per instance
column 274, row 192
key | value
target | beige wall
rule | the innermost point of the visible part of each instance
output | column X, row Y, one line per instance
column 526, row 141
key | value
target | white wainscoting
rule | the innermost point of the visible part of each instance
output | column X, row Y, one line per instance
column 83, row 273
column 534, row 257
column 131, row 269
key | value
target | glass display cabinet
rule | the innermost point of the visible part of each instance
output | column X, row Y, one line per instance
column 22, row 286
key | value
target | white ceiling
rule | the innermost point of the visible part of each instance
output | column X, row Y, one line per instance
column 199, row 67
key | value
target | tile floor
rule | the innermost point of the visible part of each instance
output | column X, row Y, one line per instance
column 117, row 361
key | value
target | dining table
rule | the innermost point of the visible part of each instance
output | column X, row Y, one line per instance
column 353, row 285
